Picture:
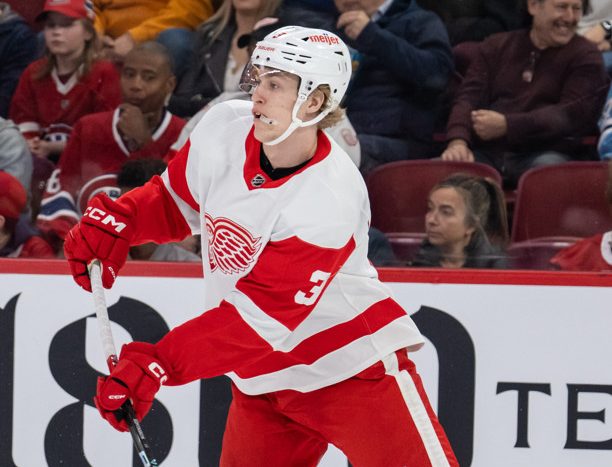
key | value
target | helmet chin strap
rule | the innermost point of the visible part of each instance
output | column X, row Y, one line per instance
column 296, row 122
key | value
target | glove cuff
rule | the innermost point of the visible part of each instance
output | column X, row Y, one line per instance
column 105, row 214
column 144, row 356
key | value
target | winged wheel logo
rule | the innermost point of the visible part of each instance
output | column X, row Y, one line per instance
column 231, row 247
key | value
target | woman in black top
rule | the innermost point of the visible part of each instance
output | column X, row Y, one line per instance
column 466, row 225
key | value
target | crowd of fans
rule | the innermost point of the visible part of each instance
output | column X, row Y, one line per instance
column 97, row 96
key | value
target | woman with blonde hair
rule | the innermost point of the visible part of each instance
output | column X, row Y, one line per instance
column 218, row 61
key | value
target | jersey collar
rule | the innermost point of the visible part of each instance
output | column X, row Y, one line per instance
column 256, row 178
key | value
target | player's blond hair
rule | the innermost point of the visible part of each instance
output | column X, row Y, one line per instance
column 335, row 115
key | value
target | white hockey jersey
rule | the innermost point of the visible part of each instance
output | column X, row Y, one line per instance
column 293, row 301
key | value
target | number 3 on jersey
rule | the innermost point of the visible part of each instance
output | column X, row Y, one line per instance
column 319, row 278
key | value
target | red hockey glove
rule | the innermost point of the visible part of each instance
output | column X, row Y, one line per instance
column 138, row 376
column 103, row 233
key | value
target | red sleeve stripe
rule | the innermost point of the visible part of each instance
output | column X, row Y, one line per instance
column 310, row 350
column 177, row 170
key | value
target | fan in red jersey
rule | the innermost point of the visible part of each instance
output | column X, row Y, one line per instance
column 101, row 143
column 315, row 345
column 67, row 83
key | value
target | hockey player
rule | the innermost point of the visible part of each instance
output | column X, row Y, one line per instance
column 100, row 144
column 316, row 347
column 67, row 83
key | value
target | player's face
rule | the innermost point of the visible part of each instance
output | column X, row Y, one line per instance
column 146, row 81
column 65, row 36
column 445, row 221
column 554, row 21
column 273, row 99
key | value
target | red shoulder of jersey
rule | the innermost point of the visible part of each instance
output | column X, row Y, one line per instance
column 585, row 255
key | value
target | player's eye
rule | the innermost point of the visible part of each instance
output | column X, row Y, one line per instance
column 273, row 85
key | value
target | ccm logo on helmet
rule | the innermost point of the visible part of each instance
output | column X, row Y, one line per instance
column 99, row 215
column 324, row 38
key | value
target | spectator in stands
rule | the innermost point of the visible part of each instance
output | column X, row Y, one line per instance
column 475, row 20
column 67, row 83
column 15, row 158
column 403, row 61
column 18, row 48
column 124, row 23
column 314, row 5
column 380, row 251
column 530, row 95
column 466, row 225
column 29, row 10
column 596, row 26
column 590, row 254
column 604, row 145
column 218, row 60
column 140, row 128
column 135, row 173
column 18, row 239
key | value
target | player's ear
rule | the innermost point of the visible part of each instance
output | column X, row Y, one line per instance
column 170, row 84
column 315, row 101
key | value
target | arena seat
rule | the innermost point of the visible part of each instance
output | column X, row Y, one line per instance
column 565, row 200
column 405, row 244
column 398, row 190
column 536, row 254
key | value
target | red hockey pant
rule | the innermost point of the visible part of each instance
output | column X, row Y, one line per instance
column 380, row 417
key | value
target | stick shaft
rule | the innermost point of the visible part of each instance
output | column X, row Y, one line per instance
column 104, row 327
column 108, row 345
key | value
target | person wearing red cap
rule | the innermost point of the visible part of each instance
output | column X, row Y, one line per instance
column 67, row 83
column 18, row 239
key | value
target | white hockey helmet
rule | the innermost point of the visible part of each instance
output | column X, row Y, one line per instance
column 316, row 56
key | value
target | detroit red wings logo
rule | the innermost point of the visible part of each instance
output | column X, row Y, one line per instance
column 231, row 247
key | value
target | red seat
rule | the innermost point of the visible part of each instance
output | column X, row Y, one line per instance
column 536, row 254
column 398, row 190
column 405, row 245
column 565, row 200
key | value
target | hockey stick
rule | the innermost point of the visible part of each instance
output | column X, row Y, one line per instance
column 108, row 345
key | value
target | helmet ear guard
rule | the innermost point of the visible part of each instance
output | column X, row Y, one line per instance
column 316, row 56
